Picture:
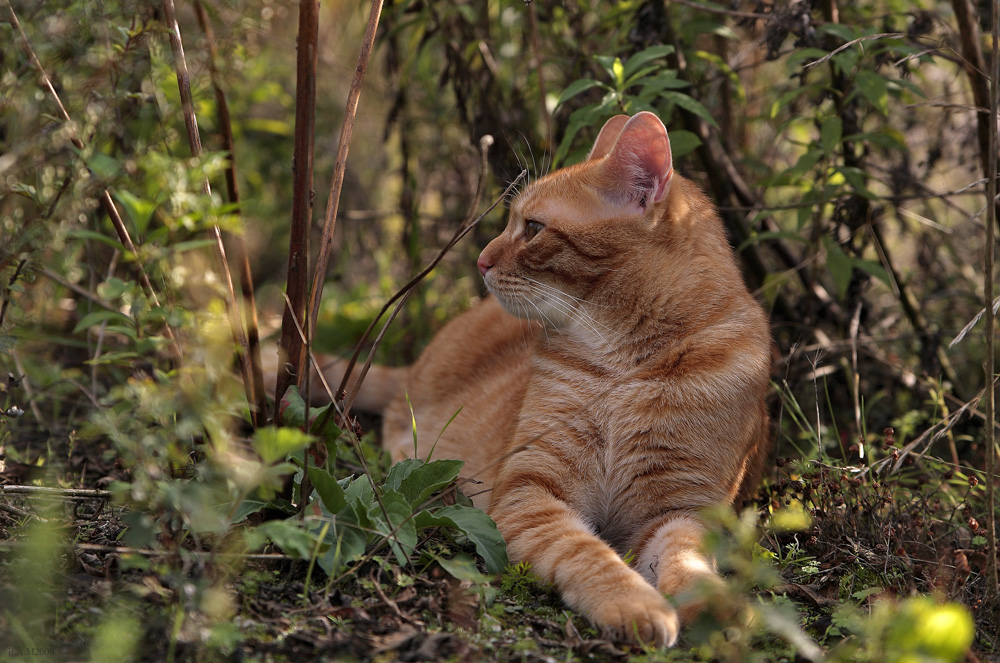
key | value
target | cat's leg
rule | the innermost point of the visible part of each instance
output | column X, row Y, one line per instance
column 546, row 532
column 672, row 560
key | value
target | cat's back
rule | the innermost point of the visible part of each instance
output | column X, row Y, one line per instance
column 479, row 363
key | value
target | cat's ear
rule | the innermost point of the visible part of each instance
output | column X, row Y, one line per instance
column 639, row 166
column 606, row 139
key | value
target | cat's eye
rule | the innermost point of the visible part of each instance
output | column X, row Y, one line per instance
column 532, row 228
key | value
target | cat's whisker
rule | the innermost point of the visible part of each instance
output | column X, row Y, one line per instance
column 564, row 294
column 571, row 311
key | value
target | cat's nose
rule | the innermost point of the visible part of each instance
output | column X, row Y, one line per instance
column 484, row 264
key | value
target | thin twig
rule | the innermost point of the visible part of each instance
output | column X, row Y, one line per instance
column 337, row 183
column 149, row 552
column 68, row 493
column 467, row 225
column 194, row 141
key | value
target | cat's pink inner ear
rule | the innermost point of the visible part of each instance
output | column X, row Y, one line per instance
column 640, row 160
column 606, row 139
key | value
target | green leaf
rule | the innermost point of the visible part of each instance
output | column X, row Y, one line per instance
column 273, row 444
column 652, row 86
column 644, row 56
column 875, row 89
column 839, row 264
column 576, row 87
column 691, row 105
column 360, row 496
column 876, row 269
column 293, row 413
column 830, row 134
column 98, row 317
column 400, row 471
column 138, row 209
column 103, row 166
column 683, row 143
column 400, row 529
column 290, row 537
column 347, row 543
column 113, row 288
column 840, row 30
column 428, row 478
column 330, row 492
column 81, row 233
column 477, row 526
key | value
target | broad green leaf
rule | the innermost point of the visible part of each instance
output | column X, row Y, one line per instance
column 400, row 528
column 607, row 64
column 247, row 507
column 428, row 478
column 360, row 496
column 875, row 89
column 477, row 526
column 644, row 56
column 138, row 209
column 773, row 282
column 839, row 264
column 98, row 317
column 691, row 105
column 329, row 490
column 653, row 85
column 857, row 179
column 290, row 537
column 103, row 166
column 876, row 269
column 840, row 30
column 347, row 542
column 576, row 87
column 400, row 471
column 293, row 413
column 683, row 143
column 273, row 444
column 830, row 134
column 113, row 288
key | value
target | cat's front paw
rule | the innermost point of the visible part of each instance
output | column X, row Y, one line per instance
column 642, row 616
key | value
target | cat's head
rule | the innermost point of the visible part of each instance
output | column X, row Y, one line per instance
column 571, row 229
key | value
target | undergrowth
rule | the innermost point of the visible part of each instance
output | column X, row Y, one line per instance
column 151, row 508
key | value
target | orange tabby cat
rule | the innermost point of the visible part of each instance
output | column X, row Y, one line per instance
column 612, row 387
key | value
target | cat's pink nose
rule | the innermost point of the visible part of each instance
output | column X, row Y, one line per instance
column 484, row 265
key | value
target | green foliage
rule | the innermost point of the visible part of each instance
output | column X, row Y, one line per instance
column 642, row 83
column 844, row 179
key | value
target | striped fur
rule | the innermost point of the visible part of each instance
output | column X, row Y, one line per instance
column 624, row 395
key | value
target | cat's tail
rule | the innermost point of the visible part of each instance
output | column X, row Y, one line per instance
column 381, row 385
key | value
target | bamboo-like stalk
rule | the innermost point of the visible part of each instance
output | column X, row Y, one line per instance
column 991, row 220
column 107, row 202
column 194, row 141
column 232, row 188
column 292, row 348
column 337, row 183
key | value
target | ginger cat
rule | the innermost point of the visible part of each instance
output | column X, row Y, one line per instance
column 612, row 387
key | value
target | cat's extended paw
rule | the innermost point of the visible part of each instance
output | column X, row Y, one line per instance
column 643, row 617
